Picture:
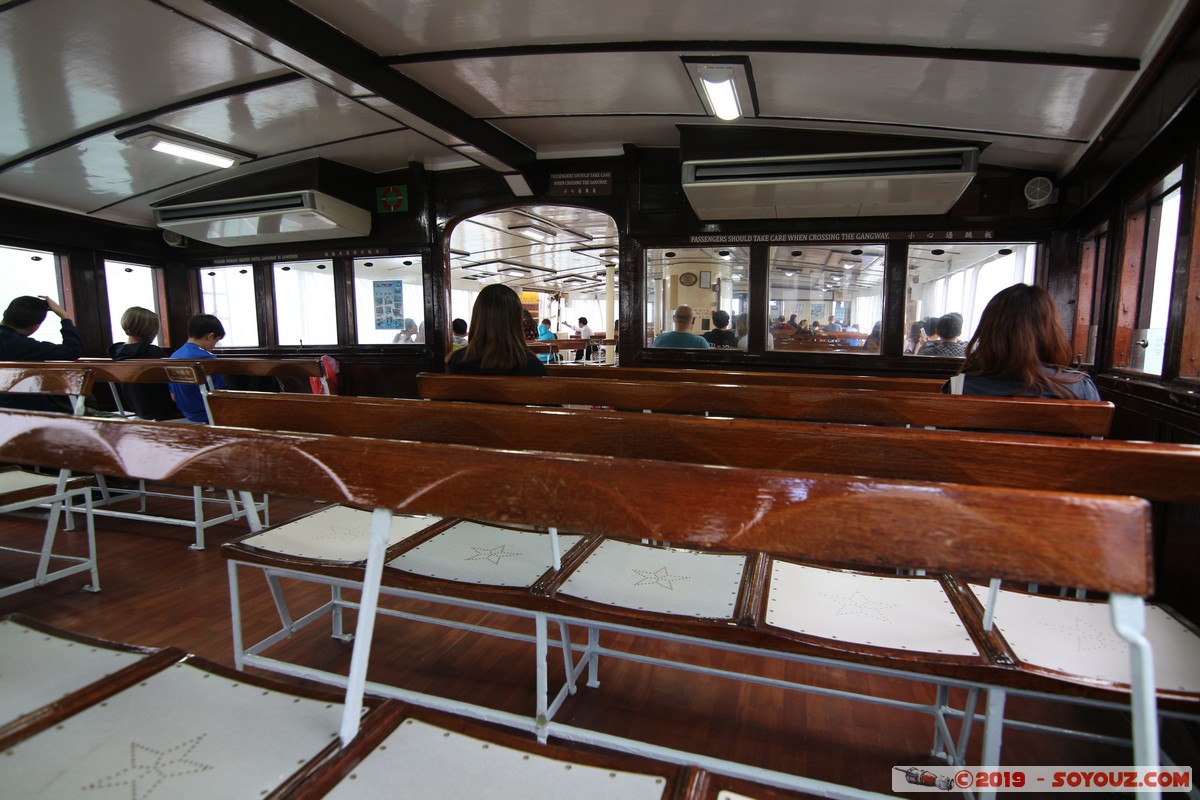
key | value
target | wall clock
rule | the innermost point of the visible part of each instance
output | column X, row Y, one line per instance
column 687, row 279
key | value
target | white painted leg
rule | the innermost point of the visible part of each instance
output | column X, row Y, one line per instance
column 1129, row 621
column 90, row 523
column 593, row 643
column 993, row 731
column 381, row 526
column 542, row 647
column 235, row 613
column 564, row 637
column 198, row 515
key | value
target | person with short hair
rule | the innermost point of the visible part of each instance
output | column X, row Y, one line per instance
column 146, row 400
column 204, row 331
column 833, row 326
column 720, row 335
column 458, row 334
column 1021, row 350
column 546, row 334
column 585, row 333
column 23, row 317
column 497, row 343
column 946, row 345
column 682, row 337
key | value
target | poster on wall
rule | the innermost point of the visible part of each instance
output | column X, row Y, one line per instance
column 389, row 311
column 818, row 313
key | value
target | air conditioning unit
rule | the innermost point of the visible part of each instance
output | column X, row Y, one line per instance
column 890, row 183
column 267, row 219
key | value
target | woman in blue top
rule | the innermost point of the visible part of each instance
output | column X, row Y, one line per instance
column 1019, row 349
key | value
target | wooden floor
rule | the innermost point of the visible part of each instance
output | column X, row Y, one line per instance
column 157, row 592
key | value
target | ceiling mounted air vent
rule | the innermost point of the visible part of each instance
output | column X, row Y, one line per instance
column 266, row 219
column 891, row 183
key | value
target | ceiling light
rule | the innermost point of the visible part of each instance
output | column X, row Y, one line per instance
column 722, row 98
column 183, row 145
column 535, row 232
column 724, row 85
column 789, row 274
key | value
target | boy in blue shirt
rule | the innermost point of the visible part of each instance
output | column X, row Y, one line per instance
column 204, row 331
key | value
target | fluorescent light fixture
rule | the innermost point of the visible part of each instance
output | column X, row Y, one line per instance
column 724, row 85
column 717, row 83
column 193, row 153
column 183, row 145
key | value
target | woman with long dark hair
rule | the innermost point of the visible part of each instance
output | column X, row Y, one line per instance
column 1020, row 350
column 497, row 342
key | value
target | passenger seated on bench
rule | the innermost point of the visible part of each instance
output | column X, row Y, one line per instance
column 497, row 343
column 458, row 333
column 720, row 335
column 204, row 331
column 947, row 345
column 21, row 320
column 682, row 336
column 147, row 400
column 1020, row 350
column 545, row 334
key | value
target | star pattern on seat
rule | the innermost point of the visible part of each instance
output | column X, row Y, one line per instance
column 149, row 768
column 492, row 554
column 858, row 604
column 659, row 577
column 348, row 534
column 1086, row 636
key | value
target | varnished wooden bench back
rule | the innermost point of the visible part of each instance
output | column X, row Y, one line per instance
column 1092, row 541
column 1035, row 415
column 793, row 379
column 1169, row 472
column 252, row 367
column 147, row 371
column 62, row 377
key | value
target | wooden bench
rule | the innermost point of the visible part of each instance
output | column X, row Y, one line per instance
column 277, row 368
column 1163, row 472
column 22, row 489
column 111, row 498
column 1029, row 414
column 1100, row 543
column 796, row 380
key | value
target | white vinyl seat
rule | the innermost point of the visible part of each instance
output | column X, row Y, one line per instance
column 422, row 753
column 40, row 668
column 661, row 580
column 1075, row 638
column 471, row 552
column 184, row 732
column 898, row 613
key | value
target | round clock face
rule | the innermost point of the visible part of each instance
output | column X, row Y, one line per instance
column 688, row 279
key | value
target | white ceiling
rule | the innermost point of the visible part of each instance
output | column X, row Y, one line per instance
column 378, row 84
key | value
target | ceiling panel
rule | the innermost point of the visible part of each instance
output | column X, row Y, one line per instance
column 71, row 68
column 1059, row 102
column 1096, row 27
column 632, row 83
column 280, row 118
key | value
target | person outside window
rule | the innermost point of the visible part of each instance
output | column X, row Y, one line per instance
column 682, row 336
column 720, row 335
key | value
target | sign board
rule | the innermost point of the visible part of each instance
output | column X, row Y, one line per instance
column 581, row 184
column 389, row 310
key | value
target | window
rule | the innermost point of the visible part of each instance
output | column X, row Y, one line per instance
column 128, row 285
column 826, row 299
column 305, row 311
column 33, row 273
column 228, row 294
column 947, row 278
column 1139, row 340
column 389, row 300
column 707, row 279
